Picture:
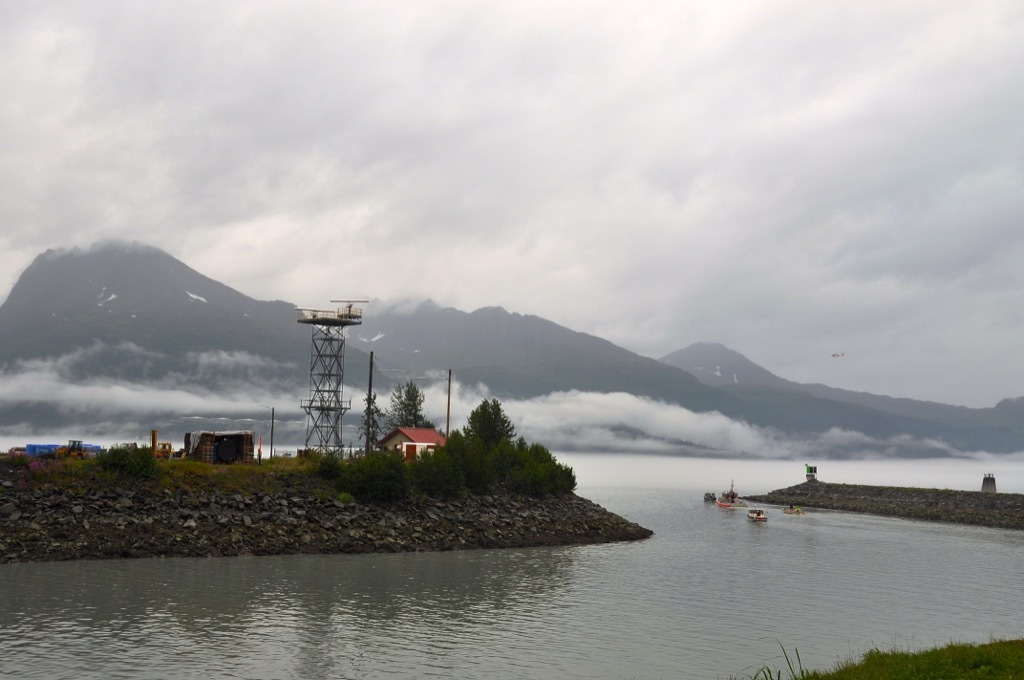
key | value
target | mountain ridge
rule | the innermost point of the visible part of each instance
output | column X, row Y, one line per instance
column 133, row 313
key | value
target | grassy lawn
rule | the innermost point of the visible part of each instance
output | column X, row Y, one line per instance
column 1000, row 660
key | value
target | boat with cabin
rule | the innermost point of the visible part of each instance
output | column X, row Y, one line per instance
column 757, row 515
column 730, row 499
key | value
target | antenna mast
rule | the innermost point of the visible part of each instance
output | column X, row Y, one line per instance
column 325, row 405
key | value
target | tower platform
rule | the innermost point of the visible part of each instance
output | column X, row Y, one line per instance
column 325, row 406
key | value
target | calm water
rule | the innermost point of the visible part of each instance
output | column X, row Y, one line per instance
column 712, row 594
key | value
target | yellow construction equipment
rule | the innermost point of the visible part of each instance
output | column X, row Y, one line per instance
column 74, row 449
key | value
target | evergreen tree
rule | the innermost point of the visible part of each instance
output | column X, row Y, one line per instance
column 407, row 407
column 373, row 421
column 489, row 423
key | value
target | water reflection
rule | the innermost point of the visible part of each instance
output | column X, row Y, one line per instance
column 330, row 612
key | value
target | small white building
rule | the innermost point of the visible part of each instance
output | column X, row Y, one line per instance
column 411, row 442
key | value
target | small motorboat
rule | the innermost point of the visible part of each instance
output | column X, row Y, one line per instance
column 757, row 515
column 709, row 497
column 793, row 510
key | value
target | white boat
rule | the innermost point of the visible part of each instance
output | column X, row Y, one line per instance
column 757, row 515
column 730, row 500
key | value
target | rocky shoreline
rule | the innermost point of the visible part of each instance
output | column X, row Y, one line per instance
column 997, row 510
column 51, row 524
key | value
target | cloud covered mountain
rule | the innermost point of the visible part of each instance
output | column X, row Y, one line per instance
column 120, row 338
column 897, row 425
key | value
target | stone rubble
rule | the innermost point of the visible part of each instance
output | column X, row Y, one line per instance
column 997, row 510
column 47, row 524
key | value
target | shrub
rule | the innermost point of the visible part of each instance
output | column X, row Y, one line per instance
column 19, row 460
column 436, row 474
column 504, row 458
column 522, row 468
column 469, row 455
column 134, row 462
column 539, row 474
column 378, row 476
column 565, row 479
column 328, row 466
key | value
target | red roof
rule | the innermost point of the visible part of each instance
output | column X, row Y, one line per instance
column 417, row 435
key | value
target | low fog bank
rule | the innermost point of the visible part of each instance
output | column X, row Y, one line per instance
column 38, row 403
column 625, row 423
column 42, row 402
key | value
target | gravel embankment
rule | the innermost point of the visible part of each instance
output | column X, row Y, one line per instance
column 45, row 524
column 999, row 510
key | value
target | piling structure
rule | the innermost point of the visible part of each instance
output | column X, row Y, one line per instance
column 988, row 484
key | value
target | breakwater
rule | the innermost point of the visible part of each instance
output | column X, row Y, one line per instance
column 998, row 510
column 49, row 523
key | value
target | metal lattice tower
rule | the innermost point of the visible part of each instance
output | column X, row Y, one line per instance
column 325, row 405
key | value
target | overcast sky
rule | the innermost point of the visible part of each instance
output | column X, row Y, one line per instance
column 791, row 179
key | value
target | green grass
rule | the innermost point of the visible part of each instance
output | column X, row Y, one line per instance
column 269, row 477
column 999, row 660
column 81, row 476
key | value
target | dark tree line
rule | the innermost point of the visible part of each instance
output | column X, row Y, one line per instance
column 484, row 457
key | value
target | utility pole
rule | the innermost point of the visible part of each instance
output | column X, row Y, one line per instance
column 271, row 431
column 448, row 414
column 369, row 406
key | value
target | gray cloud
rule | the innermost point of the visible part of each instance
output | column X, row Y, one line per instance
column 789, row 179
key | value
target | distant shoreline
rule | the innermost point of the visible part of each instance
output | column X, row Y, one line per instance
column 975, row 508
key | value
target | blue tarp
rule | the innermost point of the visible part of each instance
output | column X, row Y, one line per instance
column 42, row 449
